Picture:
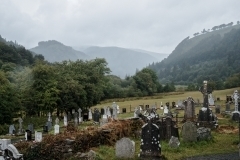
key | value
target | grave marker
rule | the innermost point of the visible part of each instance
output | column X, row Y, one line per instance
column 189, row 132
column 125, row 148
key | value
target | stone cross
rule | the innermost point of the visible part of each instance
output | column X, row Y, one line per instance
column 235, row 96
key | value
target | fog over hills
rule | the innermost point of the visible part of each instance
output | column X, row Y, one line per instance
column 121, row 61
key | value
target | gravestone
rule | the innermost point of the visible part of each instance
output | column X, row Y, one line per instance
column 161, row 106
column 165, row 111
column 118, row 109
column 79, row 112
column 96, row 115
column 20, row 125
column 217, row 109
column 135, row 115
column 28, row 135
column 124, row 110
column 49, row 125
column 228, row 107
column 85, row 115
column 174, row 142
column 56, row 129
column 189, row 109
column 173, row 104
column 76, row 118
column 65, row 121
column 31, row 128
column 150, row 146
column 114, row 113
column 57, row 121
column 102, row 111
column 69, row 117
column 203, row 134
column 210, row 100
column 108, row 112
column 38, row 136
column 90, row 114
column 167, row 104
column 125, row 148
column 11, row 129
column 235, row 97
column 168, row 127
column 180, row 103
column 49, row 117
column 189, row 132
column 4, row 144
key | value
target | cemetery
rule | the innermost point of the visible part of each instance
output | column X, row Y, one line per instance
column 171, row 126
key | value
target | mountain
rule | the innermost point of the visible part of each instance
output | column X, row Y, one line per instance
column 54, row 51
column 211, row 56
column 121, row 61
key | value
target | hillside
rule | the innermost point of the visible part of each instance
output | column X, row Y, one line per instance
column 54, row 51
column 121, row 61
column 212, row 56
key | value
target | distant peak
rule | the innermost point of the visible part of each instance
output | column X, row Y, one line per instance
column 49, row 42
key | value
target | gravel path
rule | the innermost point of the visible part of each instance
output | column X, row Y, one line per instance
column 228, row 156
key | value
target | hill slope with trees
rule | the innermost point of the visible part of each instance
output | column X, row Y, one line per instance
column 213, row 56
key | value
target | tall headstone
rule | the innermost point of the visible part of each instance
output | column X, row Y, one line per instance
column 90, row 114
column 96, row 115
column 12, row 129
column 168, row 127
column 236, row 113
column 189, row 132
column 210, row 100
column 108, row 112
column 56, row 129
column 189, row 109
column 114, row 107
column 79, row 112
column 65, row 121
column 49, row 125
column 20, row 125
column 125, row 148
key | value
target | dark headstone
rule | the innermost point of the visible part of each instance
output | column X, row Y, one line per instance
column 168, row 128
column 49, row 125
column 167, row 104
column 235, row 116
column 30, row 127
column 69, row 117
column 124, row 110
column 150, row 147
column 96, row 115
column 228, row 99
column 29, row 135
column 189, row 109
column 85, row 115
column 102, row 111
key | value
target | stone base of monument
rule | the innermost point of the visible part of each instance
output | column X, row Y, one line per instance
column 235, row 116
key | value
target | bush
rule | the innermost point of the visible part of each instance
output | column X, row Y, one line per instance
column 4, row 129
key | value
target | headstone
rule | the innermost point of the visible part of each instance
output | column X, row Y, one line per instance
column 174, row 142
column 65, row 121
column 168, row 127
column 90, row 114
column 31, row 128
column 135, row 113
column 85, row 115
column 114, row 107
column 38, row 136
column 104, row 119
column 20, row 125
column 217, row 109
column 96, row 115
column 102, row 111
column 210, row 100
column 125, row 148
column 49, row 117
column 28, row 135
column 124, row 110
column 11, row 129
column 236, row 112
column 180, row 103
column 165, row 111
column 150, row 147
column 56, row 129
column 189, row 109
column 108, row 112
column 203, row 133
column 118, row 109
column 57, row 121
column 69, row 117
column 75, row 118
column 79, row 112
column 228, row 106
column 49, row 125
column 189, row 132
column 4, row 144
column 173, row 104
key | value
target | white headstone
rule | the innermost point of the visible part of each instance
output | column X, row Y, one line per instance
column 79, row 113
column 49, row 117
column 114, row 107
column 118, row 109
column 4, row 143
column 38, row 136
column 11, row 129
column 65, row 120
column 210, row 100
column 56, row 129
column 108, row 112
column 165, row 111
column 89, row 114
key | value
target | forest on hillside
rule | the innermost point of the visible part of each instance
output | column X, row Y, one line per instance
column 35, row 86
column 214, row 58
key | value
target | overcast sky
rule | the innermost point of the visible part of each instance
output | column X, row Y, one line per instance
column 153, row 25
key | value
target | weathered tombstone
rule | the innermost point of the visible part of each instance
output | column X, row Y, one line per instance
column 114, row 113
column 49, row 125
column 174, row 142
column 236, row 112
column 189, row 109
column 38, row 136
column 217, row 109
column 168, row 128
column 228, row 107
column 118, row 109
column 90, row 114
column 76, row 118
column 189, row 132
column 210, row 100
column 49, row 117
column 125, row 148
column 203, row 133
column 31, row 128
column 11, row 129
column 108, row 112
column 150, row 147
column 20, row 125
column 124, row 110
column 28, row 135
column 96, row 115
column 180, row 103
column 69, row 117
column 65, row 121
column 56, row 129
column 57, row 121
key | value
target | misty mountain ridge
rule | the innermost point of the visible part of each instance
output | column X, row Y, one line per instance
column 121, row 61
